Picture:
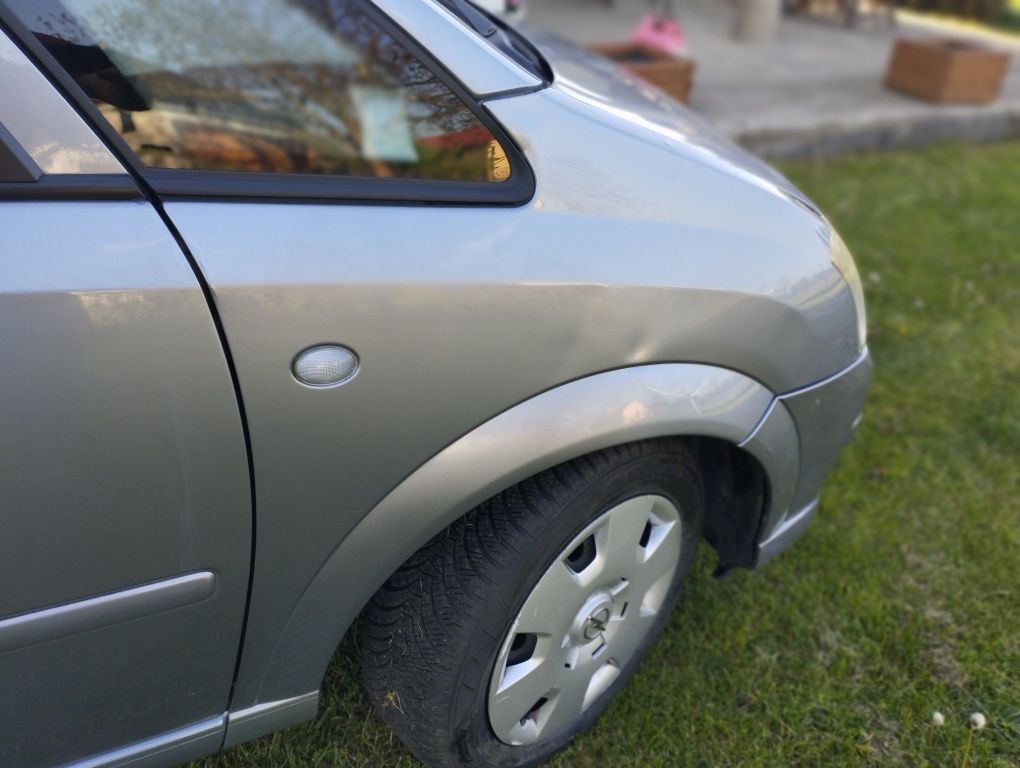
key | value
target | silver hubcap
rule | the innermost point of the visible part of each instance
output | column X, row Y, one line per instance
column 584, row 620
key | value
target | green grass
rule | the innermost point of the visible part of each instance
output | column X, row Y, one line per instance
column 1010, row 20
column 1012, row 16
column 904, row 598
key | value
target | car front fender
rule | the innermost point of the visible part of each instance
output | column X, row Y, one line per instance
column 565, row 422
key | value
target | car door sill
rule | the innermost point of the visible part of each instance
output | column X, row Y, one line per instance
column 171, row 748
column 260, row 719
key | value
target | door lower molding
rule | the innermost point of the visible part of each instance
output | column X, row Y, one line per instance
column 260, row 719
column 104, row 610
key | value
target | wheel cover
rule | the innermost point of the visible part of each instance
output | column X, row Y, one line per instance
column 584, row 620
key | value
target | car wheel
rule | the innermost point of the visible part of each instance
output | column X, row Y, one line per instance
column 509, row 633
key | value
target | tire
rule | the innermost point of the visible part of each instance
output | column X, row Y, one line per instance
column 439, row 641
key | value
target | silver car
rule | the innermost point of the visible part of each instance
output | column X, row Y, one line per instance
column 324, row 311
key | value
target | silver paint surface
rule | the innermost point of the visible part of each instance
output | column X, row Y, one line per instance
column 104, row 610
column 123, row 464
column 638, row 248
column 659, row 282
column 568, row 421
column 827, row 412
column 250, row 723
column 784, row 535
column 167, row 749
column 775, row 444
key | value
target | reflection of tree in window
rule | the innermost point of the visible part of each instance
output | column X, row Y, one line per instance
column 295, row 86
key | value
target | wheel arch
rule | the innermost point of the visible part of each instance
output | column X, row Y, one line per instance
column 721, row 409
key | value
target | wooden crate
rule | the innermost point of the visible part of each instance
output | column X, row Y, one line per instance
column 945, row 71
column 672, row 74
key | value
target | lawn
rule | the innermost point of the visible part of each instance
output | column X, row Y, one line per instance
column 904, row 598
column 1011, row 16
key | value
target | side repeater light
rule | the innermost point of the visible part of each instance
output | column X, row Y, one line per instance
column 325, row 365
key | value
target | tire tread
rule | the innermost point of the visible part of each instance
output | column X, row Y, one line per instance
column 415, row 628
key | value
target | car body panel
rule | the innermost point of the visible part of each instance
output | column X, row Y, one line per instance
column 268, row 716
column 496, row 305
column 659, row 282
column 124, row 466
column 827, row 414
column 66, row 619
column 577, row 418
column 749, row 279
column 611, row 87
column 164, row 750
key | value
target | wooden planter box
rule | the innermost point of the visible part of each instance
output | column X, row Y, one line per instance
column 672, row 74
column 947, row 71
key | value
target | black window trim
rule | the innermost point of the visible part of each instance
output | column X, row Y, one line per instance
column 168, row 184
column 21, row 178
column 72, row 186
column 16, row 165
column 518, row 48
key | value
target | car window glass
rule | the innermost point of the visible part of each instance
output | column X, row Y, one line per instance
column 283, row 86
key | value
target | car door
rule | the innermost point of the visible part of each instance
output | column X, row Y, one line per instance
column 125, row 506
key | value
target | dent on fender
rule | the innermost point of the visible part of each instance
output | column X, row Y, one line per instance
column 571, row 420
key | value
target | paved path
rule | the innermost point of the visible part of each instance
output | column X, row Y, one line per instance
column 816, row 89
